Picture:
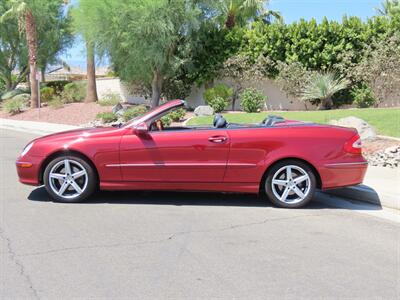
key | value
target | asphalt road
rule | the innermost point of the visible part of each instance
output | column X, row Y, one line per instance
column 186, row 245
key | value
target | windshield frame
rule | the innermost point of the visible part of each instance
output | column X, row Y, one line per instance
column 155, row 112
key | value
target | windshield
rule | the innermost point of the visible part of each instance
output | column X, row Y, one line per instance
column 156, row 111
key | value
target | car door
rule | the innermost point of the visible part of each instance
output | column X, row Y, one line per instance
column 198, row 155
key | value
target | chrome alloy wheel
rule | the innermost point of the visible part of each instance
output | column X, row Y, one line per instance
column 68, row 179
column 291, row 184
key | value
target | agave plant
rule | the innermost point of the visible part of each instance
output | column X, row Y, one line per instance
column 322, row 86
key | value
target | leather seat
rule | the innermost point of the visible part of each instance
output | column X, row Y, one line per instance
column 219, row 121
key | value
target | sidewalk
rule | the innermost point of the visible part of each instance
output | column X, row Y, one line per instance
column 40, row 128
column 381, row 187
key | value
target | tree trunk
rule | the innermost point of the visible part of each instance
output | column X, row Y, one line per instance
column 31, row 38
column 156, row 86
column 230, row 21
column 235, row 96
column 326, row 103
column 91, row 91
column 43, row 73
column 237, row 89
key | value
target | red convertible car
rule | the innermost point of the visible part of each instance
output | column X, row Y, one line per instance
column 284, row 160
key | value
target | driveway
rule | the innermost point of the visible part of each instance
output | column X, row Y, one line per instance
column 155, row 245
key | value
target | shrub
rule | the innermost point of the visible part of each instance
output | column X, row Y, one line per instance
column 56, row 102
column 252, row 100
column 14, row 106
column 166, row 120
column 363, row 96
column 11, row 94
column 2, row 87
column 110, row 99
column 220, row 90
column 107, row 117
column 46, row 94
column 134, row 112
column 74, row 92
column 22, row 97
column 177, row 114
column 58, row 86
column 292, row 78
column 218, row 104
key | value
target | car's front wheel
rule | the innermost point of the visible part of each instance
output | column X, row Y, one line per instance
column 69, row 179
column 290, row 184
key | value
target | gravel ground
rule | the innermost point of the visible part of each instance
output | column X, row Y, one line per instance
column 71, row 114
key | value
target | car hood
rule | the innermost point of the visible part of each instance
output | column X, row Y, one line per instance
column 78, row 133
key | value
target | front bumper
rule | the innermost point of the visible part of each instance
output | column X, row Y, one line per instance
column 335, row 175
column 28, row 169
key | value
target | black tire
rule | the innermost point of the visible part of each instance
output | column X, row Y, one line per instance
column 308, row 186
column 89, row 187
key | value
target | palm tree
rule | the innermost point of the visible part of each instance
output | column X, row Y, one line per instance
column 91, row 89
column 83, row 18
column 389, row 8
column 22, row 10
column 239, row 12
column 322, row 86
column 269, row 15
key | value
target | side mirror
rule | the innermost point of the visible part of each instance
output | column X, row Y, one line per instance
column 141, row 129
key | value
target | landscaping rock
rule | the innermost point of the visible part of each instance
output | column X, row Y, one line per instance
column 203, row 110
column 121, row 112
column 365, row 130
column 117, row 108
column 389, row 157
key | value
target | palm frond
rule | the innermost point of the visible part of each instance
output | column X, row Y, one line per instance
column 323, row 86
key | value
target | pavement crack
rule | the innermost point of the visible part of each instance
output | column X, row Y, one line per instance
column 18, row 263
column 171, row 236
column 115, row 245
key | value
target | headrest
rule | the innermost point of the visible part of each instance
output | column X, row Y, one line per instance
column 216, row 118
column 220, row 123
column 271, row 120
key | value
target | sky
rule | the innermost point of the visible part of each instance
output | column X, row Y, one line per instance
column 291, row 10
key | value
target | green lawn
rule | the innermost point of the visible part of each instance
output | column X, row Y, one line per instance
column 386, row 121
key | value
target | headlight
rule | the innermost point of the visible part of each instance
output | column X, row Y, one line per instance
column 26, row 149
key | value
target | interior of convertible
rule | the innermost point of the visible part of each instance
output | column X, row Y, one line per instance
column 218, row 122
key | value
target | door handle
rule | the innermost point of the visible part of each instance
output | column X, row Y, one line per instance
column 217, row 139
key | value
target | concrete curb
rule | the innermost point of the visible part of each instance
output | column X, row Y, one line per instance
column 366, row 194
column 388, row 137
column 40, row 128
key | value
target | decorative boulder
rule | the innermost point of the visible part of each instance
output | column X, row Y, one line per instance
column 365, row 130
column 121, row 112
column 204, row 110
column 117, row 108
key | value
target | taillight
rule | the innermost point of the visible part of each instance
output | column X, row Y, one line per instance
column 353, row 145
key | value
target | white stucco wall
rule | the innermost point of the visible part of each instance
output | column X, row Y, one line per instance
column 276, row 99
column 116, row 86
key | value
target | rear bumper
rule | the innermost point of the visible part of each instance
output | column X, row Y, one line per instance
column 28, row 168
column 343, row 174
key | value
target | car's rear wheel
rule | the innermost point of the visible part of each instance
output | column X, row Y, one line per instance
column 290, row 184
column 69, row 179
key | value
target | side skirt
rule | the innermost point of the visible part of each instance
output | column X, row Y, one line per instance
column 252, row 188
